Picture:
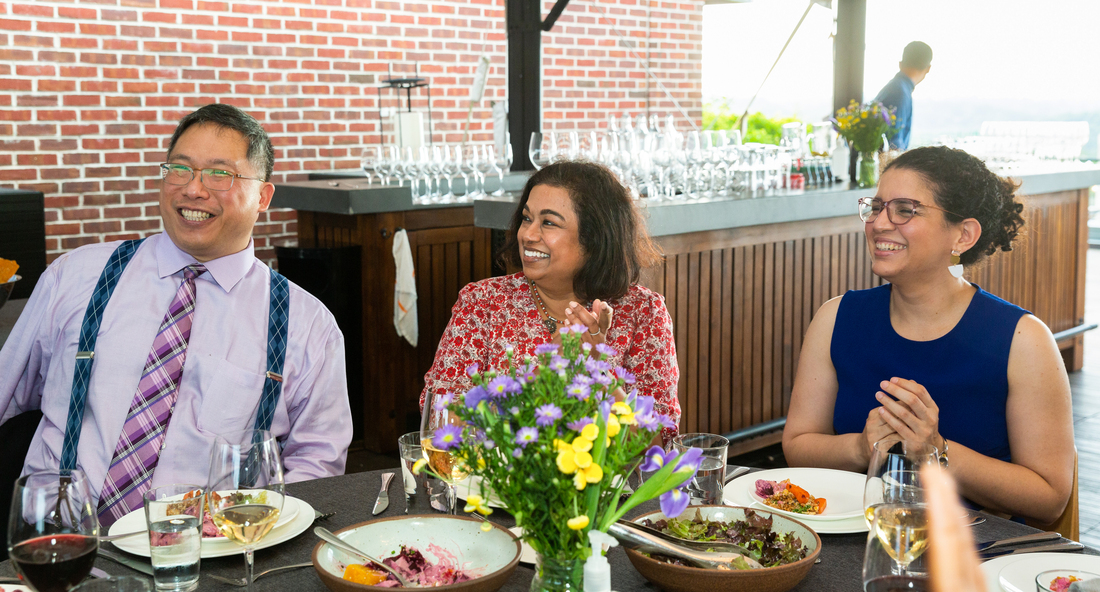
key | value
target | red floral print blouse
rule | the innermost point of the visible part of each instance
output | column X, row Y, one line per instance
column 496, row 312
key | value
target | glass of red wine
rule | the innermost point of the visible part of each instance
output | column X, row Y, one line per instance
column 52, row 530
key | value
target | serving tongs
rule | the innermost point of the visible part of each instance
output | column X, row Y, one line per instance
column 708, row 555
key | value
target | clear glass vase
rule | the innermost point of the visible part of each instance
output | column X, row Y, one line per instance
column 867, row 169
column 557, row 575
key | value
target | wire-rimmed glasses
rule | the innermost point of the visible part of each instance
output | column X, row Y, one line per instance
column 212, row 179
column 898, row 211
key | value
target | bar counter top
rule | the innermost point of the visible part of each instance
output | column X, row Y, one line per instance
column 353, row 196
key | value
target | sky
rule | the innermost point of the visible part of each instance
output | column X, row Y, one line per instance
column 992, row 59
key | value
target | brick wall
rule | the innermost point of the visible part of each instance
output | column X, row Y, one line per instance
column 90, row 90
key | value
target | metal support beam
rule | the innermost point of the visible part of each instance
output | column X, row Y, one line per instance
column 848, row 49
column 524, row 23
column 555, row 12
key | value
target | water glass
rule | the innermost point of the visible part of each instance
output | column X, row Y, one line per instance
column 175, row 535
column 423, row 493
column 706, row 488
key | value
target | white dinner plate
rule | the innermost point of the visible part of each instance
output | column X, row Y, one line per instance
column 842, row 490
column 526, row 553
column 301, row 517
column 1016, row 573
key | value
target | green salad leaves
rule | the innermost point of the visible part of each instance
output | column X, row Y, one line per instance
column 754, row 533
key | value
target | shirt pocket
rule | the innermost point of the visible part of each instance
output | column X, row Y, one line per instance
column 230, row 397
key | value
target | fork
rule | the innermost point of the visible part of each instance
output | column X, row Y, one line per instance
column 243, row 582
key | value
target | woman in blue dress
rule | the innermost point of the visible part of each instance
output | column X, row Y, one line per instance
column 930, row 357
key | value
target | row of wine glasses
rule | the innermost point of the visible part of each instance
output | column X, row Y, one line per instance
column 427, row 167
column 53, row 528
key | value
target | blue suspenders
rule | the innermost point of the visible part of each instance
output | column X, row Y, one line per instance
column 278, row 316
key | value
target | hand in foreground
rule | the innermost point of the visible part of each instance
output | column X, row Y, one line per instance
column 954, row 564
column 910, row 411
column 874, row 430
column 598, row 321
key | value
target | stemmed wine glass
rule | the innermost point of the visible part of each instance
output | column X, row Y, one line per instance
column 451, row 164
column 893, row 477
column 245, row 488
column 437, row 422
column 541, row 149
column 503, row 163
column 52, row 530
column 470, row 157
column 370, row 162
column 483, row 165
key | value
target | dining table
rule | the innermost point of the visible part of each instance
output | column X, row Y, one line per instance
column 352, row 497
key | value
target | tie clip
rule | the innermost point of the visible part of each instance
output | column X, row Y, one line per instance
column 274, row 376
column 85, row 355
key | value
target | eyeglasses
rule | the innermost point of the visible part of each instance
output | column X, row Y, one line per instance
column 212, row 179
column 899, row 211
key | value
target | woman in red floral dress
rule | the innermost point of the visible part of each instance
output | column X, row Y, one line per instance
column 582, row 245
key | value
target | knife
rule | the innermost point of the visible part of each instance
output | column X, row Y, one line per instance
column 1059, row 547
column 1027, row 538
column 383, row 500
column 134, row 564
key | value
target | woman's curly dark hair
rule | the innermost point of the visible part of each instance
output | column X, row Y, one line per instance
column 610, row 228
column 962, row 184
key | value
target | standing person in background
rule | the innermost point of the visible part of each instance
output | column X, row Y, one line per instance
column 916, row 61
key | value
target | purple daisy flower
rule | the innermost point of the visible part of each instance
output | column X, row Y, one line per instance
column 558, row 363
column 447, row 437
column 579, row 391
column 587, row 347
column 583, row 379
column 625, row 375
column 578, row 328
column 603, row 379
column 666, row 421
column 527, row 436
column 642, row 405
column 489, row 444
column 471, row 370
column 547, row 414
column 517, row 453
column 443, row 401
column 578, row 425
column 546, row 348
column 606, row 350
column 475, row 396
column 674, row 502
column 647, row 422
column 596, row 366
column 503, row 385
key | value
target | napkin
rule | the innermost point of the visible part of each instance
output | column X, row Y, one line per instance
column 1092, row 585
column 404, row 289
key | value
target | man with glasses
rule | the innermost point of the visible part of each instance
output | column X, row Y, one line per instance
column 239, row 347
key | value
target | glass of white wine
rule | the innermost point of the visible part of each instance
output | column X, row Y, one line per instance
column 437, row 422
column 893, row 476
column 245, row 489
column 895, row 546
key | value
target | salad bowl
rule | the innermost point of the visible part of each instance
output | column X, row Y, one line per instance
column 489, row 558
column 677, row 578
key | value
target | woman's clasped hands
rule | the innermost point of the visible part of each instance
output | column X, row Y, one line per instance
column 907, row 413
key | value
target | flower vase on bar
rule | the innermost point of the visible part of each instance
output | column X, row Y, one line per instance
column 865, row 127
column 554, row 437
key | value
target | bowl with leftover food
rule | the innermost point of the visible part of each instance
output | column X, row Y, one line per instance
column 443, row 552
column 787, row 549
column 1059, row 580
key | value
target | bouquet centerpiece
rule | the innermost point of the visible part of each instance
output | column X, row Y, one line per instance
column 548, row 438
column 864, row 127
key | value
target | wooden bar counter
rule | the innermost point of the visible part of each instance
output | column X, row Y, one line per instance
column 742, row 278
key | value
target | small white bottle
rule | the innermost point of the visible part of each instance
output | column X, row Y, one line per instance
column 597, row 570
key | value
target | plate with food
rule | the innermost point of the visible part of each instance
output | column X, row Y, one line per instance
column 442, row 552
column 842, row 492
column 295, row 517
column 785, row 547
column 1015, row 573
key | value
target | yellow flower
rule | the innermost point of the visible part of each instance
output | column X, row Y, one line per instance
column 582, row 460
column 566, row 462
column 627, row 419
column 621, row 408
column 594, row 473
column 486, row 527
column 418, row 465
column 477, row 503
column 560, row 445
column 578, row 522
column 579, row 481
column 589, row 432
column 612, row 426
column 581, row 444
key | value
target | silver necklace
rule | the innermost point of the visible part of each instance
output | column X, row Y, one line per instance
column 549, row 322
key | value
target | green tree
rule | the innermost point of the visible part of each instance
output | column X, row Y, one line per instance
column 761, row 128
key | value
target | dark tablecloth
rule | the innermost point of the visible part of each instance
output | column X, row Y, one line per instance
column 352, row 497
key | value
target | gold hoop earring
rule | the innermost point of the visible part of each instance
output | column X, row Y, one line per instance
column 956, row 267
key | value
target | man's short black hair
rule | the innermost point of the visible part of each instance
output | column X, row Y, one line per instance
column 260, row 152
column 917, row 55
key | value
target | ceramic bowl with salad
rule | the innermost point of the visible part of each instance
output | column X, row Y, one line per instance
column 785, row 547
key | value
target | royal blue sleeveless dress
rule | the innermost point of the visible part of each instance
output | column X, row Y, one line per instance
column 965, row 371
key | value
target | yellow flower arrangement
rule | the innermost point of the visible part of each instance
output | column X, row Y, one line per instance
column 864, row 125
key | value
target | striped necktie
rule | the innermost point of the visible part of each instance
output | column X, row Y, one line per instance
column 142, row 438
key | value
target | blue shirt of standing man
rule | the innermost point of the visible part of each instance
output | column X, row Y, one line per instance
column 916, row 61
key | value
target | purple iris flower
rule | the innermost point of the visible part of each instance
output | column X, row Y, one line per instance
column 605, row 409
column 606, row 350
column 546, row 415
column 442, row 402
column 579, row 391
column 475, row 396
column 625, row 375
column 526, row 436
column 596, row 366
column 642, row 405
column 674, row 502
column 504, row 385
column 471, row 370
column 578, row 425
column 690, row 459
column 546, row 348
column 447, row 437
column 656, row 457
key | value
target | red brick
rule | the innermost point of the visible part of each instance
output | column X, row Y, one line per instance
column 36, row 71
column 139, row 87
column 102, row 227
column 160, row 17
column 103, row 86
column 120, row 73
column 16, row 84
column 79, row 130
column 17, row 145
column 62, row 229
column 138, row 31
column 80, row 241
column 123, row 185
column 55, row 115
column 185, row 5
column 76, row 13
column 197, row 19
column 99, row 143
column 66, row 144
column 109, row 199
column 14, row 25
column 37, row 130
column 135, row 225
column 18, row 175
column 123, row 101
column 105, row 115
column 118, row 15
column 81, row 214
column 98, row 58
column 97, row 29
column 120, row 44
column 55, row 27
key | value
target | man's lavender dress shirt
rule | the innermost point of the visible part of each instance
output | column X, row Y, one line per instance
column 223, row 375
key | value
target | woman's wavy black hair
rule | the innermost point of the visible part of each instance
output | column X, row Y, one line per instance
column 612, row 233
column 962, row 184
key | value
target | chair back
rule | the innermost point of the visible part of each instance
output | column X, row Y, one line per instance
column 16, row 435
column 1069, row 523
